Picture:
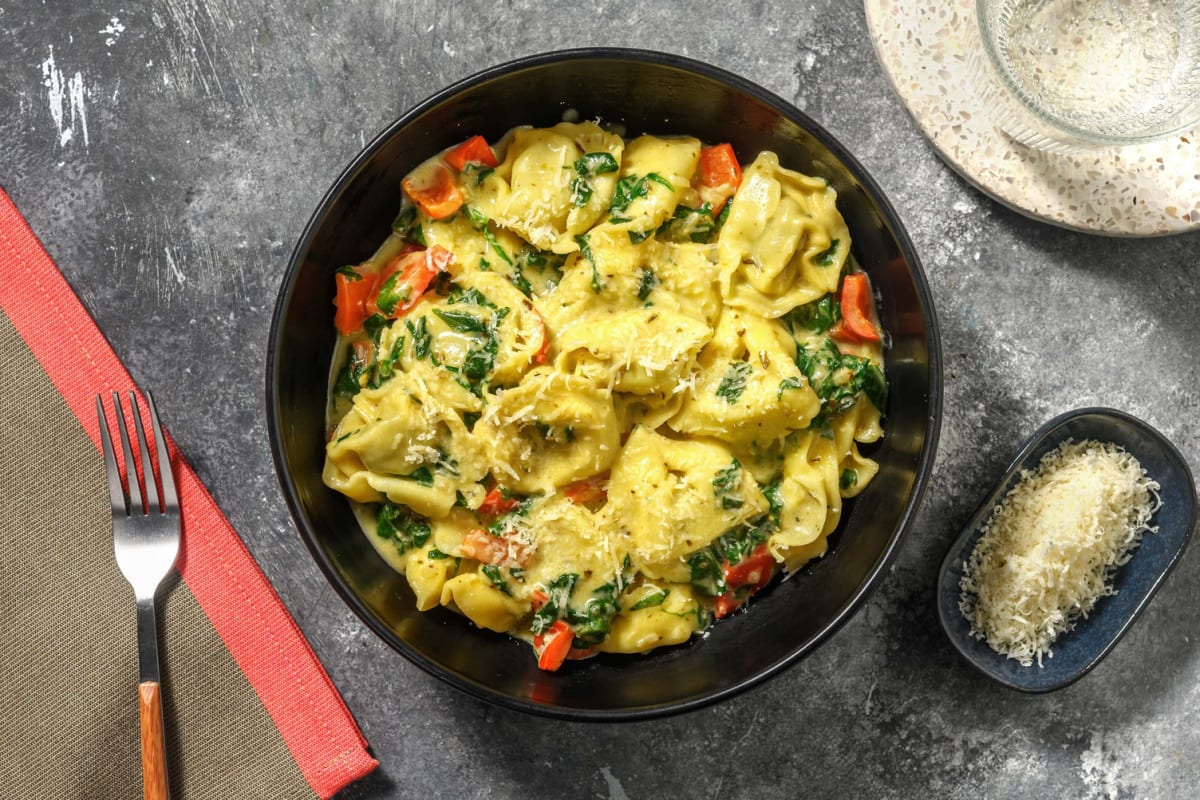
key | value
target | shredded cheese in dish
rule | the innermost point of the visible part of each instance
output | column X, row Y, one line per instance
column 593, row 392
column 1051, row 546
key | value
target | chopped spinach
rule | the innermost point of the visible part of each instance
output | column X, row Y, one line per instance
column 774, row 499
column 708, row 564
column 471, row 296
column 421, row 475
column 826, row 257
column 637, row 237
column 408, row 226
column 631, row 188
column 651, row 599
column 587, row 167
column 839, row 379
column 480, row 221
column 479, row 171
column 707, row 572
column 462, row 321
column 848, row 479
column 492, row 573
column 647, row 280
column 349, row 379
column 374, row 326
column 689, row 224
column 593, row 623
column 585, row 249
column 385, row 364
column 734, row 382
column 558, row 595
column 406, row 528
column 422, row 339
column 725, row 485
column 724, row 215
column 817, row 316
column 392, row 293
column 789, row 383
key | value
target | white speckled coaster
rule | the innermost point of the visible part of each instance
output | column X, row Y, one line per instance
column 1142, row 190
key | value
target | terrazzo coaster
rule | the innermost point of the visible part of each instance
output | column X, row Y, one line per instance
column 1140, row 190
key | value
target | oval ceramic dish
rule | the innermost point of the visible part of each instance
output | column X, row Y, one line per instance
column 1078, row 650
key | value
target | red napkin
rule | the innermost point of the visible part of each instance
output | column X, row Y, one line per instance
column 244, row 610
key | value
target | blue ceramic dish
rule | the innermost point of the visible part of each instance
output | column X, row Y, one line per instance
column 1077, row 651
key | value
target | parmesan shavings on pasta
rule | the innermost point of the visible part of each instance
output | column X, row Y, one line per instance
column 1051, row 546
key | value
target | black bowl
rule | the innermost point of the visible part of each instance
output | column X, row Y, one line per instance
column 651, row 93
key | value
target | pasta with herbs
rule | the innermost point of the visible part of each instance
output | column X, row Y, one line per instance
column 594, row 392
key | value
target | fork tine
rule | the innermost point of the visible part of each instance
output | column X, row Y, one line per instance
column 139, row 427
column 116, row 491
column 135, row 490
column 170, row 498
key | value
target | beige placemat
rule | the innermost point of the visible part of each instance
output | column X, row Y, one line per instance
column 68, row 640
column 1144, row 190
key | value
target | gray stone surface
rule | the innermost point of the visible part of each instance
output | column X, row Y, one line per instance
column 168, row 154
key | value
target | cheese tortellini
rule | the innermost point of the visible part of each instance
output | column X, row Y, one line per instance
column 593, row 392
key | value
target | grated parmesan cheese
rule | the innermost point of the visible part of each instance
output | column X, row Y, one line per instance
column 1051, row 546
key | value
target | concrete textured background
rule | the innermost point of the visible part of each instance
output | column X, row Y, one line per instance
column 168, row 153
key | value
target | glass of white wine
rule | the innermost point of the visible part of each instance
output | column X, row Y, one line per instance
column 1067, row 75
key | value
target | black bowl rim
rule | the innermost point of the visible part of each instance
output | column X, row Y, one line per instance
column 924, row 462
column 970, row 532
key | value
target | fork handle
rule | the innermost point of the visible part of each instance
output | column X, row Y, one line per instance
column 154, row 754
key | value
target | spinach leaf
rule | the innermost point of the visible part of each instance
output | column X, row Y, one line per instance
column 789, row 383
column 585, row 249
column 349, row 377
column 817, row 316
column 478, row 170
column 826, row 257
column 406, row 528
column 689, row 224
column 647, row 280
column 557, row 604
column 421, row 475
column 392, row 293
column 849, row 478
column 734, row 382
column 707, row 572
column 492, row 573
column 480, row 221
column 631, row 188
column 408, row 226
column 422, row 339
column 725, row 485
column 374, row 326
column 462, row 321
column 593, row 623
column 651, row 599
column 839, row 379
column 587, row 167
column 385, row 364
column 471, row 296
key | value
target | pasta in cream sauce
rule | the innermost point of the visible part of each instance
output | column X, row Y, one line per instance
column 594, row 392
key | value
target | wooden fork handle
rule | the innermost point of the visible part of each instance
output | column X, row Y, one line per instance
column 154, row 753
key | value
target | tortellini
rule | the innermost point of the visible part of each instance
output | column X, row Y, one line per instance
column 618, row 394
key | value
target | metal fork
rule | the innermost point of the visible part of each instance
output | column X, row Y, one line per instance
column 146, row 541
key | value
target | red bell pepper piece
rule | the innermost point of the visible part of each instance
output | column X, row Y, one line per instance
column 405, row 278
column 354, row 288
column 857, row 304
column 475, row 150
column 554, row 645
column 438, row 196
